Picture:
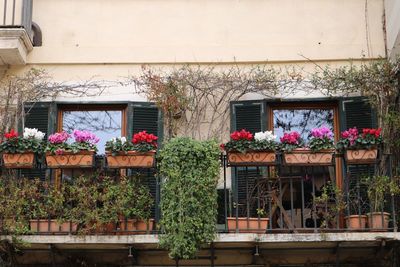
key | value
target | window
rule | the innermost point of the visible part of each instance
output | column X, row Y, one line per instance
column 105, row 122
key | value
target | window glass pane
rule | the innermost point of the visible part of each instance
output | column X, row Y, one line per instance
column 105, row 124
column 301, row 120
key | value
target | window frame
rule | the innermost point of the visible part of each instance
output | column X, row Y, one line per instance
column 94, row 107
column 317, row 104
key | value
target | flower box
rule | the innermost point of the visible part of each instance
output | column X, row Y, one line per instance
column 361, row 156
column 253, row 157
column 302, row 156
column 52, row 226
column 131, row 159
column 248, row 225
column 134, row 226
column 19, row 161
column 82, row 159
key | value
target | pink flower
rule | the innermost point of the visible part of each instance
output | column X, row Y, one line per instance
column 59, row 138
column 59, row 152
column 351, row 135
column 85, row 137
column 323, row 132
column 290, row 138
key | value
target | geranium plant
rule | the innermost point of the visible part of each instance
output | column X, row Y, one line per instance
column 144, row 142
column 243, row 141
column 30, row 141
column 353, row 139
column 290, row 141
column 321, row 139
column 84, row 140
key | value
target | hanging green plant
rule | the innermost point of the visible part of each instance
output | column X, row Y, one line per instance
column 190, row 171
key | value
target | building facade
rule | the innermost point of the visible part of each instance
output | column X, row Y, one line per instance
column 98, row 45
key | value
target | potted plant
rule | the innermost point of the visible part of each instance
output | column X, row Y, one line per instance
column 360, row 148
column 135, row 203
column 19, row 151
column 378, row 189
column 330, row 204
column 140, row 152
column 245, row 149
column 319, row 151
column 79, row 154
column 249, row 224
column 356, row 218
column 48, row 209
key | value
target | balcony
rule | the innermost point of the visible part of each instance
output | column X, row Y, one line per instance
column 263, row 199
column 16, row 35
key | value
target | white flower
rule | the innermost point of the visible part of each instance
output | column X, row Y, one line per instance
column 123, row 139
column 267, row 135
column 33, row 133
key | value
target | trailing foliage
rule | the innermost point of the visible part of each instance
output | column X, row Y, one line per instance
column 190, row 170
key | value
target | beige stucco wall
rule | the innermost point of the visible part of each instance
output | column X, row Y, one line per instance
column 143, row 31
column 392, row 12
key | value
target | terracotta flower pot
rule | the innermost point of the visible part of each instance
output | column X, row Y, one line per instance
column 131, row 159
column 134, row 226
column 303, row 156
column 19, row 160
column 248, row 225
column 52, row 226
column 82, row 159
column 251, row 157
column 356, row 221
column 378, row 220
column 361, row 156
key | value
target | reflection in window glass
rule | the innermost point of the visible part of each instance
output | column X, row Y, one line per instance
column 301, row 120
column 105, row 124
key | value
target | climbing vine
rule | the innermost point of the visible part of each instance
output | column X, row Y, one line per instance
column 190, row 170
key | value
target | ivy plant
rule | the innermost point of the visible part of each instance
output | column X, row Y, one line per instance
column 190, row 171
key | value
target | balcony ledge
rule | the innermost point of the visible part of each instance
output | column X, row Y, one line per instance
column 15, row 45
column 284, row 241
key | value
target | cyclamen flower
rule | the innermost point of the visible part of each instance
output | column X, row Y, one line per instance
column 33, row 133
column 351, row 135
column 374, row 132
column 267, row 136
column 290, row 138
column 59, row 138
column 11, row 134
column 144, row 137
column 323, row 132
column 85, row 137
column 241, row 135
column 122, row 139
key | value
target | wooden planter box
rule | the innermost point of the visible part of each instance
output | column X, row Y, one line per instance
column 131, row 159
column 19, row 161
column 248, row 225
column 134, row 226
column 303, row 157
column 356, row 222
column 361, row 156
column 52, row 226
column 83, row 159
column 251, row 158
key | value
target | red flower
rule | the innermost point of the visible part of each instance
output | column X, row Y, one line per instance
column 241, row 135
column 11, row 134
column 143, row 137
column 222, row 146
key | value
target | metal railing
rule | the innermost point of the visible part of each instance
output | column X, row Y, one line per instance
column 266, row 198
column 16, row 14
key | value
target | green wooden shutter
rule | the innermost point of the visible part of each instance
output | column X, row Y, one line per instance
column 37, row 116
column 252, row 116
column 357, row 112
column 146, row 117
